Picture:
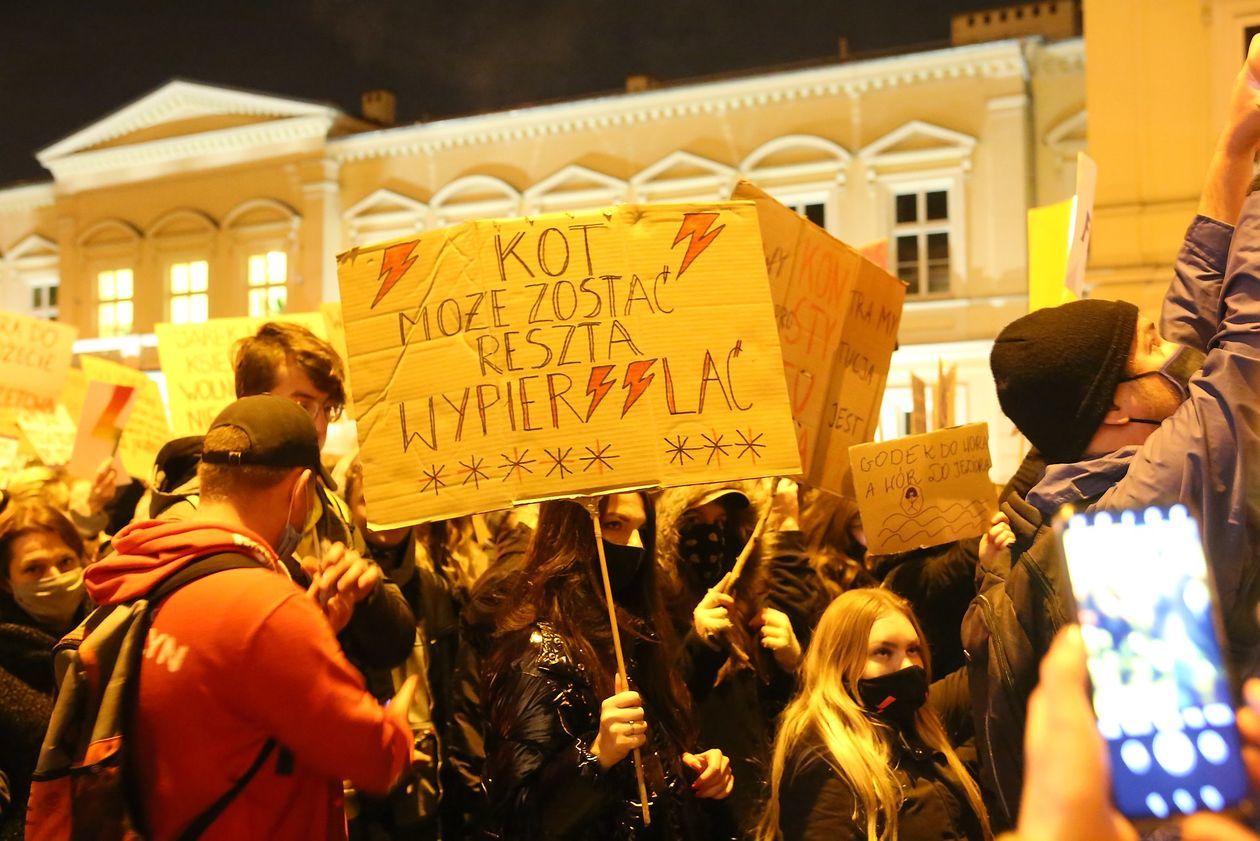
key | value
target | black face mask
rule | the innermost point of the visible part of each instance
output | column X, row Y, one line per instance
column 895, row 697
column 703, row 546
column 623, row 565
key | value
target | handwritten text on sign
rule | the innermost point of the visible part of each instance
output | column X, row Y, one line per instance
column 924, row 490
column 507, row 360
column 838, row 315
column 197, row 361
column 34, row 358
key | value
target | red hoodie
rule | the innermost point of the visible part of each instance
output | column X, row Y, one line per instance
column 232, row 660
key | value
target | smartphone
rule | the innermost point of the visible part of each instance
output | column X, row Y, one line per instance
column 1152, row 635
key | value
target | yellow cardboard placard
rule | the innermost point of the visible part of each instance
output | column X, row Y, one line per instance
column 510, row 360
column 197, row 362
column 34, row 358
column 924, row 490
column 1049, row 235
column 838, row 315
column 148, row 428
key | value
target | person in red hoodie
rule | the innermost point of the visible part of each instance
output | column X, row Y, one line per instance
column 244, row 656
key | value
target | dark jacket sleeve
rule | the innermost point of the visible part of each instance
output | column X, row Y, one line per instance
column 382, row 630
column 541, row 782
column 816, row 805
column 792, row 584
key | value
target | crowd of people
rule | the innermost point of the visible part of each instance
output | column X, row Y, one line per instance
column 761, row 676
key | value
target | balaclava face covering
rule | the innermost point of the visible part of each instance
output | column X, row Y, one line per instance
column 704, row 547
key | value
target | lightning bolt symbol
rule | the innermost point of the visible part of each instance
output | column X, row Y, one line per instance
column 635, row 381
column 394, row 264
column 694, row 226
column 598, row 386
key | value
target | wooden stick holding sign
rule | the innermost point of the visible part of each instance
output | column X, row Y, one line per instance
column 591, row 504
column 737, row 570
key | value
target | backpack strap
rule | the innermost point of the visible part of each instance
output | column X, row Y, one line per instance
column 202, row 822
column 198, row 569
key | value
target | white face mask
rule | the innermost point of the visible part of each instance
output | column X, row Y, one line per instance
column 53, row 601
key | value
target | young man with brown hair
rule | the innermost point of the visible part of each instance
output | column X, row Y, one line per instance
column 287, row 360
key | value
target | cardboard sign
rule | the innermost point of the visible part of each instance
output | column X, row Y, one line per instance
column 1049, row 229
column 1081, row 227
column 924, row 490
column 197, row 361
column 147, row 427
column 50, row 435
column 838, row 315
column 34, row 358
column 511, row 360
column 106, row 408
column 918, row 412
column 946, row 391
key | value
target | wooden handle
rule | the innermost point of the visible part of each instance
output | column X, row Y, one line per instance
column 730, row 580
column 592, row 506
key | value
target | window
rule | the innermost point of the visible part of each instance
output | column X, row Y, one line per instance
column 114, row 313
column 44, row 297
column 921, row 237
column 190, row 298
column 813, row 210
column 268, row 292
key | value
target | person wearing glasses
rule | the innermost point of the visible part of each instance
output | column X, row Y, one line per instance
column 375, row 625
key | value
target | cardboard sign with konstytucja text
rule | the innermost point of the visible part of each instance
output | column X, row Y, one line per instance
column 501, row 361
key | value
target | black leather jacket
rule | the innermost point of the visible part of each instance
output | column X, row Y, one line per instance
column 542, row 781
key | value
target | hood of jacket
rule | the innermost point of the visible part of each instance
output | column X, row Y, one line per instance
column 670, row 507
column 1065, row 484
column 148, row 551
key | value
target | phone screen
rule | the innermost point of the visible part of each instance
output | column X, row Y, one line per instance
column 1161, row 693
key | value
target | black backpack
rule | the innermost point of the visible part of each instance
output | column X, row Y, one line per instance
column 1022, row 600
column 81, row 788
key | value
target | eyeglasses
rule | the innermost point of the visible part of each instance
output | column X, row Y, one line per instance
column 330, row 410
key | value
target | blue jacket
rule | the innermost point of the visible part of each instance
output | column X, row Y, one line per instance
column 1203, row 454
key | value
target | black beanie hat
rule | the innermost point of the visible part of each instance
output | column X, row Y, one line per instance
column 1056, row 371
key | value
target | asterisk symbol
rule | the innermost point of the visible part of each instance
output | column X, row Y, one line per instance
column 749, row 444
column 433, row 479
column 559, row 461
column 679, row 451
column 600, row 456
column 516, row 463
column 716, row 448
column 472, row 471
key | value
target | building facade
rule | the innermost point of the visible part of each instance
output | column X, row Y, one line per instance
column 197, row 201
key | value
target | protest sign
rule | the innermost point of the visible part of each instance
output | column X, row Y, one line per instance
column 924, row 490
column 510, row 360
column 147, row 427
column 34, row 358
column 1049, row 231
column 50, row 435
column 105, row 410
column 946, row 388
column 838, row 315
column 1081, row 227
column 197, row 362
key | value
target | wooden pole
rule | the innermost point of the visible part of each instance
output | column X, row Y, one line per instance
column 737, row 570
column 592, row 506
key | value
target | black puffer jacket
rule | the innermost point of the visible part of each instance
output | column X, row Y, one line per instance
column 737, row 703
column 541, row 780
column 26, row 702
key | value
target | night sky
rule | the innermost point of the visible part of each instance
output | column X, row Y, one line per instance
column 64, row 64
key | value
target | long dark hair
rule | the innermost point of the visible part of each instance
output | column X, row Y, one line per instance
column 560, row 584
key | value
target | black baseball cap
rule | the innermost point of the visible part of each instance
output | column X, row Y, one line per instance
column 280, row 432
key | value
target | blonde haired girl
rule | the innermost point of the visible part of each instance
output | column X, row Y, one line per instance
column 859, row 754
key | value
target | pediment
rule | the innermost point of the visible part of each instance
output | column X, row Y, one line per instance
column 179, row 109
column 682, row 166
column 33, row 247
column 384, row 202
column 576, row 185
column 920, row 143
